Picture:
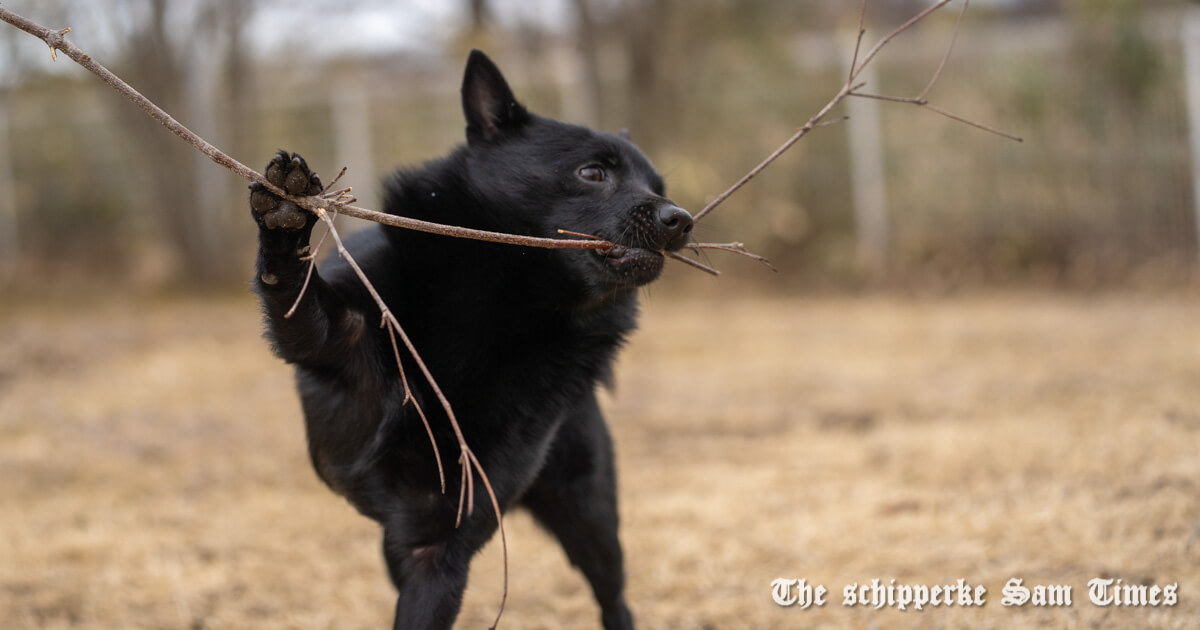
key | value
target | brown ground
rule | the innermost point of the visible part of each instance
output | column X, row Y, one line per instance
column 153, row 473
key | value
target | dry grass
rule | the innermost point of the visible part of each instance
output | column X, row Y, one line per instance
column 154, row 473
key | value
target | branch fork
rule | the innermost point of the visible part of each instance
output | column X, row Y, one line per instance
column 851, row 88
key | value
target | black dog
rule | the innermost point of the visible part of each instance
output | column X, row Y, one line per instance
column 517, row 337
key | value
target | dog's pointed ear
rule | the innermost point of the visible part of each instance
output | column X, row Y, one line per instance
column 488, row 102
column 624, row 134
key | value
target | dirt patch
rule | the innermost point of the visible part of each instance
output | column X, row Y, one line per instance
column 154, row 475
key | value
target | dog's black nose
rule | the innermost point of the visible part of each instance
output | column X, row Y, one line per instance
column 677, row 224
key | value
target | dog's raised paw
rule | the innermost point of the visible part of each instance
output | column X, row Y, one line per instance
column 290, row 172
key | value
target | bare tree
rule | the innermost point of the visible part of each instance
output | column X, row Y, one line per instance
column 187, row 205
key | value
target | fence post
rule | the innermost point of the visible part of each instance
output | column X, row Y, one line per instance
column 9, row 239
column 1191, row 57
column 351, row 112
column 212, row 184
column 868, row 188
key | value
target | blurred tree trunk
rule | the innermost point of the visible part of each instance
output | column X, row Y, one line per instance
column 475, row 32
column 478, row 12
column 164, row 163
column 645, row 34
column 228, row 102
column 589, row 50
column 185, row 201
column 10, row 250
column 10, row 241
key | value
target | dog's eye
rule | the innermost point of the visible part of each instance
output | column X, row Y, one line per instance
column 591, row 173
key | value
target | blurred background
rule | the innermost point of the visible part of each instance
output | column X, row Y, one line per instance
column 979, row 358
column 1100, row 192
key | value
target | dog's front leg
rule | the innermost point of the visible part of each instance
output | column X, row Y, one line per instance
column 428, row 567
column 306, row 337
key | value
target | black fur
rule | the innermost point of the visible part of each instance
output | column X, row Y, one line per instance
column 517, row 337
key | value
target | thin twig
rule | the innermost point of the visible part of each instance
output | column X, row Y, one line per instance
column 890, row 36
column 921, row 101
column 463, row 475
column 409, row 398
column 589, row 237
column 830, row 123
column 311, row 257
column 851, row 89
column 466, row 496
column 503, row 539
column 734, row 248
column 389, row 321
column 466, row 456
column 800, row 133
column 841, row 95
column 972, row 123
column 694, row 263
column 949, row 49
column 891, row 99
column 862, row 30
column 325, row 190
column 340, row 193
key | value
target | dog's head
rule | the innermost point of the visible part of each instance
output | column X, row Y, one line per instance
column 551, row 176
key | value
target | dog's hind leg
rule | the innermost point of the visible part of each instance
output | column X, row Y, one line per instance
column 575, row 498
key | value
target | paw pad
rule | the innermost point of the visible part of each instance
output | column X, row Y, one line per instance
column 291, row 173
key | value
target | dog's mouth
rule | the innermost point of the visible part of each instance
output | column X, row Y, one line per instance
column 630, row 265
column 650, row 231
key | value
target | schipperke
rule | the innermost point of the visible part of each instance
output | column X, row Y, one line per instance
column 517, row 337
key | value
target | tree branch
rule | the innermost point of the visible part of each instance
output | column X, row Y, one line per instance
column 800, row 133
column 733, row 248
column 949, row 49
column 56, row 42
column 920, row 100
column 342, row 203
column 692, row 263
column 890, row 36
column 850, row 88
